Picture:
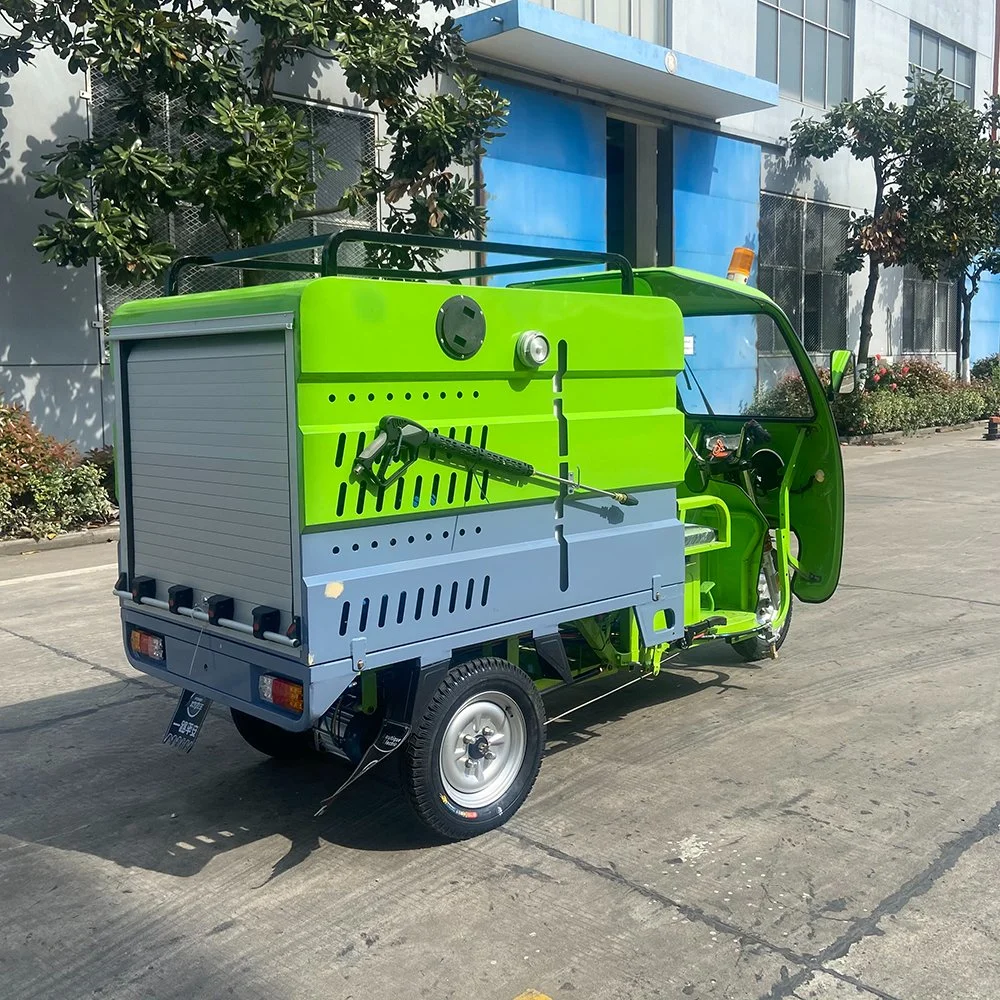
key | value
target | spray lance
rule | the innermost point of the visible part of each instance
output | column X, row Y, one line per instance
column 399, row 442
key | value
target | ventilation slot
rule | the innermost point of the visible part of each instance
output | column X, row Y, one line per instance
column 486, row 475
column 418, row 609
column 345, row 617
column 383, row 610
column 469, row 593
column 486, row 591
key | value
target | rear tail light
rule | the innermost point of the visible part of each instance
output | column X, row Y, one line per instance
column 278, row 691
column 146, row 644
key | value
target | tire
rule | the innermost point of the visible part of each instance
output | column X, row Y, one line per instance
column 463, row 795
column 756, row 648
column 281, row 744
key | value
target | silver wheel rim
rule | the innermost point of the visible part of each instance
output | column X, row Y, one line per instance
column 482, row 749
column 765, row 609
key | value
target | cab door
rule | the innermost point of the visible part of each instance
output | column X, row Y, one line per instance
column 749, row 370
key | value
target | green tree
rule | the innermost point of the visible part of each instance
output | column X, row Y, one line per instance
column 872, row 130
column 220, row 61
column 949, row 186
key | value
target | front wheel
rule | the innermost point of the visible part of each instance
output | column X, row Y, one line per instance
column 756, row 647
column 475, row 753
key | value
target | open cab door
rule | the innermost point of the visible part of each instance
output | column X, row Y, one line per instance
column 751, row 394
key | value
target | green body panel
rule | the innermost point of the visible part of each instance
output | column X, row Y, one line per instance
column 257, row 301
column 368, row 349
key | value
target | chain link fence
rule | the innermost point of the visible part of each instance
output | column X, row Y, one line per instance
column 348, row 138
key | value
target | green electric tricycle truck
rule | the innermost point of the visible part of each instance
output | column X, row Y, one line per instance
column 380, row 512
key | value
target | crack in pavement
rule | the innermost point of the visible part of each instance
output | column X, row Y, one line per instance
column 860, row 928
column 947, row 858
column 693, row 913
column 913, row 593
column 124, row 678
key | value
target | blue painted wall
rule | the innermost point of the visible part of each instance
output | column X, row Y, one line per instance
column 986, row 319
column 716, row 208
column 546, row 177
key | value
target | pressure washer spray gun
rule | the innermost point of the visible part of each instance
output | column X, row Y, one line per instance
column 399, row 442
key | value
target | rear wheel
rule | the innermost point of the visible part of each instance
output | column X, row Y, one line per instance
column 475, row 753
column 271, row 739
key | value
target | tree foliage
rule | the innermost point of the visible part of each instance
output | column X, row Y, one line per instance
column 950, row 187
column 219, row 62
column 872, row 130
column 935, row 165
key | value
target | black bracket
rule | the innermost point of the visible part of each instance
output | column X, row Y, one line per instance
column 122, row 582
column 179, row 596
column 699, row 629
column 552, row 652
column 143, row 586
column 219, row 606
column 265, row 619
column 294, row 630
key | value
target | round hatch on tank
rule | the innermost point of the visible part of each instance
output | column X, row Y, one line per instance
column 461, row 327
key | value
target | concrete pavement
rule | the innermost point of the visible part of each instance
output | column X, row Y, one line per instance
column 825, row 826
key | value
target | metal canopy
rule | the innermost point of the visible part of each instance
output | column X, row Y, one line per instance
column 526, row 36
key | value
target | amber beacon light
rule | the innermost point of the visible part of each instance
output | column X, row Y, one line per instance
column 740, row 265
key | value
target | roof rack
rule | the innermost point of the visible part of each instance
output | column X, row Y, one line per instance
column 261, row 258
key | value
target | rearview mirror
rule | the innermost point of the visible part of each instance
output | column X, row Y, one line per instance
column 842, row 369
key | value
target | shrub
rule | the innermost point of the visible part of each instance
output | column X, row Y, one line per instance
column 932, row 398
column 987, row 369
column 989, row 389
column 103, row 459
column 910, row 377
column 44, row 488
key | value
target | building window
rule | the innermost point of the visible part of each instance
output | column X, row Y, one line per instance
column 930, row 315
column 348, row 137
column 804, row 46
column 930, row 53
column 799, row 245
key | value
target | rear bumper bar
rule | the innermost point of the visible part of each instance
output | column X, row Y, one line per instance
column 229, row 671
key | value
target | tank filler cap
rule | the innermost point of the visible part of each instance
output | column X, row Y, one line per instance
column 532, row 349
column 460, row 327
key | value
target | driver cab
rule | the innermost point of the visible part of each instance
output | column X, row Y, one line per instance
column 762, row 498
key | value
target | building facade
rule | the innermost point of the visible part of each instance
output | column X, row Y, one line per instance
column 649, row 127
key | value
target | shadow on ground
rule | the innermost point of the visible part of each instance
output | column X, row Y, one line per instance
column 174, row 812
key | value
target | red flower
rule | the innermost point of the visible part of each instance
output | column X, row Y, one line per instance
column 894, row 386
column 877, row 378
column 881, row 371
column 878, row 357
column 906, row 369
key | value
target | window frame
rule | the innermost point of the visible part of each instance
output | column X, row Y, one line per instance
column 805, row 212
column 798, row 11
column 926, row 34
column 914, row 283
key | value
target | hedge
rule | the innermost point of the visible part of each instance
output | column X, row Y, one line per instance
column 45, row 487
column 901, row 396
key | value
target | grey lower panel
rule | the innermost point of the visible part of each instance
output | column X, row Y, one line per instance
column 418, row 587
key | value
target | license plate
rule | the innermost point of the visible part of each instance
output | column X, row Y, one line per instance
column 189, row 717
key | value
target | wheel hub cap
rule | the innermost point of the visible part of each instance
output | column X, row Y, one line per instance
column 482, row 749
